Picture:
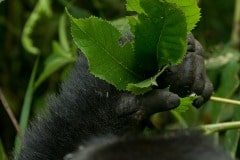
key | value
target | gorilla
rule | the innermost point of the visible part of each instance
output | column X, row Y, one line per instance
column 91, row 120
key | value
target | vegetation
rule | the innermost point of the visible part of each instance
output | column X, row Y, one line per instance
column 149, row 29
column 37, row 52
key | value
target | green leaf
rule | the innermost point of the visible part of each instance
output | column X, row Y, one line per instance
column 160, row 32
column 160, row 35
column 62, row 32
column 232, row 137
column 99, row 41
column 185, row 103
column 231, row 140
column 133, row 21
column 146, row 85
column 54, row 62
column 134, row 5
column 191, row 11
column 25, row 113
column 189, row 7
column 142, row 87
column 122, row 24
column 43, row 7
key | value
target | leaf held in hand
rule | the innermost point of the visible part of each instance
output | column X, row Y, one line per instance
column 108, row 60
column 134, row 5
column 159, row 29
column 160, row 35
column 191, row 11
column 185, row 103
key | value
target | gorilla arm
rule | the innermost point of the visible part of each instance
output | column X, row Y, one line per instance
column 88, row 107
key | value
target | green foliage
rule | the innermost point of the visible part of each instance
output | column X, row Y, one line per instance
column 42, row 7
column 227, row 78
column 122, row 24
column 54, row 62
column 62, row 54
column 191, row 11
column 188, row 7
column 107, row 59
column 146, row 85
column 231, row 139
column 156, row 43
column 42, row 35
column 26, row 106
column 185, row 103
column 134, row 5
column 229, row 74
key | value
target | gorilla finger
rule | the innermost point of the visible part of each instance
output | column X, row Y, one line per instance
column 168, row 77
column 159, row 100
column 179, row 77
column 206, row 94
column 208, row 89
column 198, row 102
column 190, row 43
column 200, row 76
column 186, row 75
column 198, row 48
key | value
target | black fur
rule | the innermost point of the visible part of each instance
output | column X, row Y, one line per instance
column 175, row 145
column 85, row 108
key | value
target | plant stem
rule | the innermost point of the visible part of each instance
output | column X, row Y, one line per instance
column 3, row 155
column 10, row 114
column 211, row 128
column 236, row 26
column 179, row 118
column 26, row 106
column 225, row 100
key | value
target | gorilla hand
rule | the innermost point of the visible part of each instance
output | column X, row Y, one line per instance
column 189, row 76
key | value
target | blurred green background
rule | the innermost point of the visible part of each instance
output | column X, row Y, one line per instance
column 36, row 33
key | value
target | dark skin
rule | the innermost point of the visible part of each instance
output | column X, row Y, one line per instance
column 88, row 107
column 189, row 76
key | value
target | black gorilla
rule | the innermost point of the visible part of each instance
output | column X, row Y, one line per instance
column 91, row 120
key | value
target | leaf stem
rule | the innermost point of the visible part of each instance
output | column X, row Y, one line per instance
column 10, row 114
column 236, row 25
column 211, row 128
column 179, row 118
column 225, row 100
column 26, row 106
